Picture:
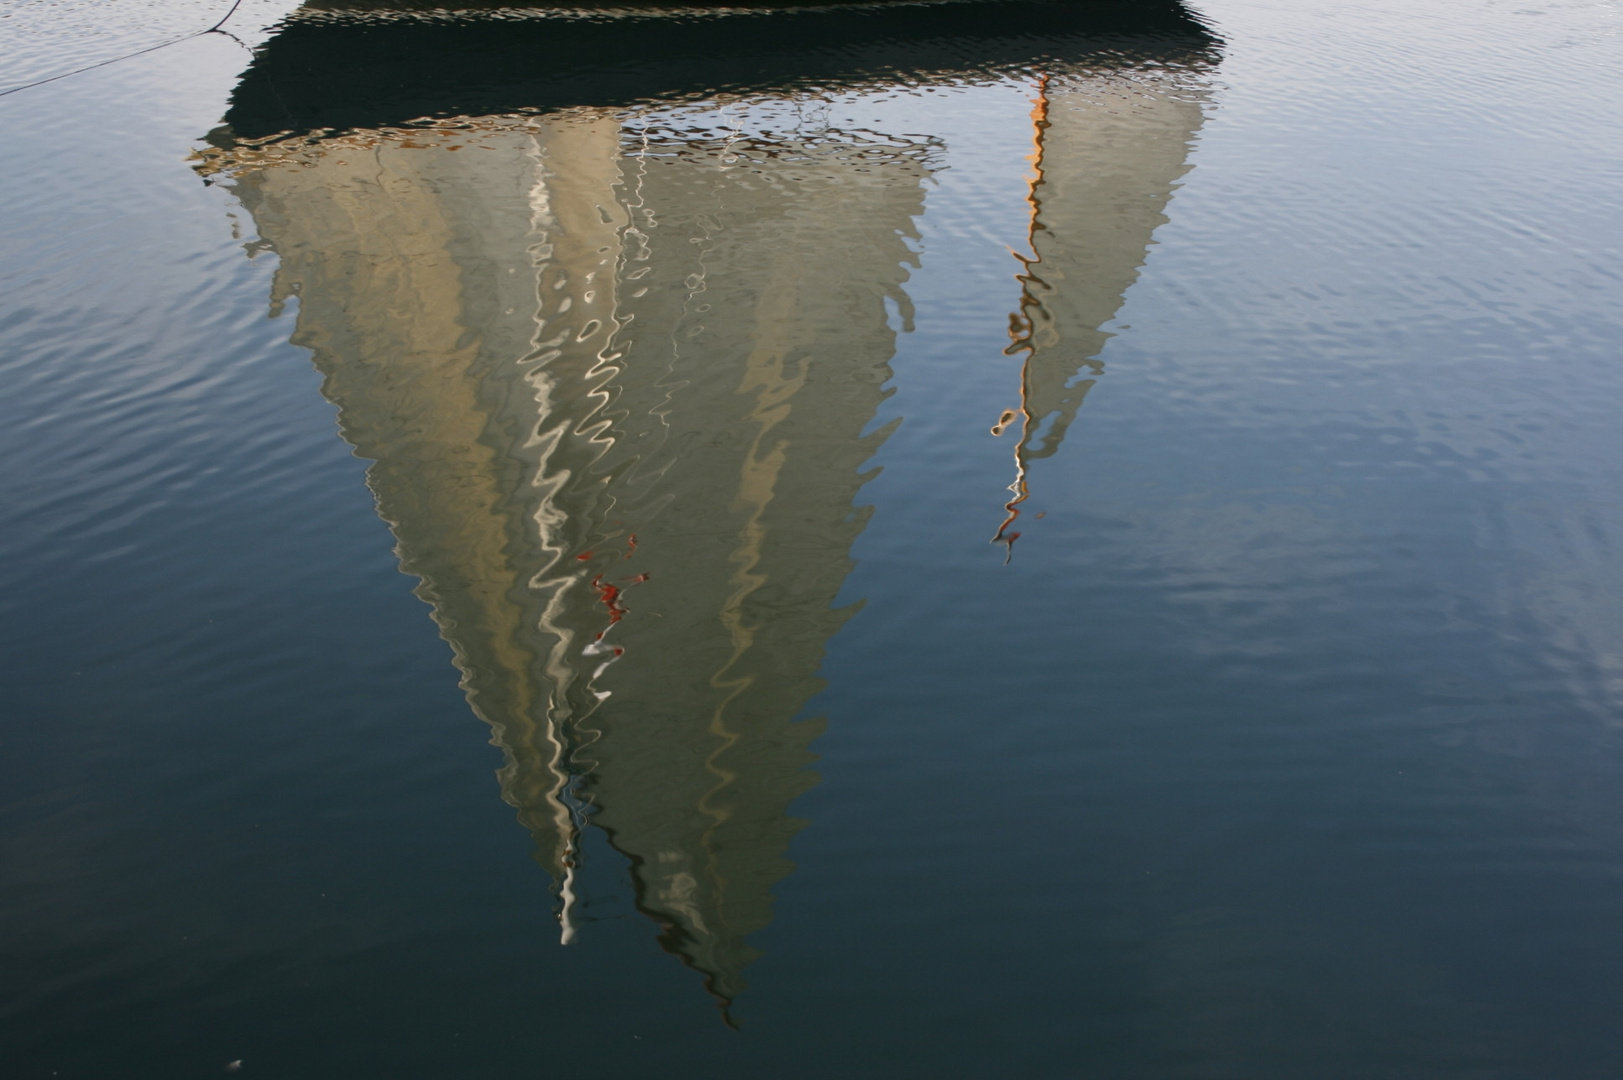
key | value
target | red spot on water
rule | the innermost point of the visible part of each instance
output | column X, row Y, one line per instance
column 609, row 596
column 583, row 556
column 631, row 545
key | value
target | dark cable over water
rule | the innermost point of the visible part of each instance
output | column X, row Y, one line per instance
column 129, row 56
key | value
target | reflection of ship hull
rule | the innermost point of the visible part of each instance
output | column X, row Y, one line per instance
column 335, row 70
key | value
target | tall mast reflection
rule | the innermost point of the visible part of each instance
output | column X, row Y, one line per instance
column 1109, row 148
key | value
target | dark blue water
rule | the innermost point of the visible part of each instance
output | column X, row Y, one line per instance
column 1282, row 741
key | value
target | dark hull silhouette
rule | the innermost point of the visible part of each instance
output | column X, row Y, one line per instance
column 331, row 68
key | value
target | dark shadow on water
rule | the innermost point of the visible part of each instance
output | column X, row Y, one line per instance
column 350, row 68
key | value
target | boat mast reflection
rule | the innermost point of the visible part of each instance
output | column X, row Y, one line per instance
column 1109, row 149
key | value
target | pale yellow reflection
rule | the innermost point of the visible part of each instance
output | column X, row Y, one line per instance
column 1109, row 149
column 614, row 378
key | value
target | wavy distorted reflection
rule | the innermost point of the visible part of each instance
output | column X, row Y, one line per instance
column 614, row 381
column 615, row 368
column 1109, row 148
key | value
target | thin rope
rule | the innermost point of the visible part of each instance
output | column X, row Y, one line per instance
column 128, row 56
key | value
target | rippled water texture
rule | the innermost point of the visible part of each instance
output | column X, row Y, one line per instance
column 978, row 539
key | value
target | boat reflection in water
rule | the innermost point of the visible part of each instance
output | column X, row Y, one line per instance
column 1109, row 148
column 617, row 365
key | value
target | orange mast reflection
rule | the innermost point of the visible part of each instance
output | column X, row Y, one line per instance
column 1021, row 326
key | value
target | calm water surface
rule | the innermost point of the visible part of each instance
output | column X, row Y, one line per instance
column 989, row 539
